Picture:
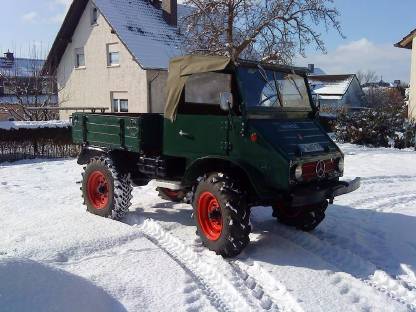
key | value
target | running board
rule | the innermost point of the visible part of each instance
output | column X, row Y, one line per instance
column 171, row 185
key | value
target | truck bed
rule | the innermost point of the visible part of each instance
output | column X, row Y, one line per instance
column 129, row 132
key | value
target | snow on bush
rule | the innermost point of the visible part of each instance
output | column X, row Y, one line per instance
column 385, row 126
column 8, row 125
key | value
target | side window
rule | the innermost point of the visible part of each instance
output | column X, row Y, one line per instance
column 202, row 93
column 79, row 58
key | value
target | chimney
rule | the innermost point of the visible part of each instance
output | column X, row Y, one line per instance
column 311, row 68
column 155, row 3
column 9, row 56
column 170, row 12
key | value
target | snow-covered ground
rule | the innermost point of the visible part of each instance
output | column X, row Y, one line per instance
column 54, row 256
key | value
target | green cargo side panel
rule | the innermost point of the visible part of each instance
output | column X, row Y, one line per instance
column 131, row 132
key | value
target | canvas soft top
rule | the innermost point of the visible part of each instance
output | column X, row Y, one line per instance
column 181, row 68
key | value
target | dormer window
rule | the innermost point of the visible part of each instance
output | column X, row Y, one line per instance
column 94, row 16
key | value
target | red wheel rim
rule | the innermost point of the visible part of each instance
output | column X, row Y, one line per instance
column 97, row 187
column 209, row 216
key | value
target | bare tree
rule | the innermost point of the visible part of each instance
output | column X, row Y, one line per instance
column 379, row 97
column 268, row 30
column 30, row 90
column 367, row 77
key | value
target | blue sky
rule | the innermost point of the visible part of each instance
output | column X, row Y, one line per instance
column 371, row 28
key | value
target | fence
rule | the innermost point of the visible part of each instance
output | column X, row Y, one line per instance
column 22, row 143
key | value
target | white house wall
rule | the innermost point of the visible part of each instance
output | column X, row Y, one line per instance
column 412, row 98
column 354, row 96
column 94, row 85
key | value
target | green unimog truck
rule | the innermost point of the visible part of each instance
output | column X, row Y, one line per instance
column 234, row 135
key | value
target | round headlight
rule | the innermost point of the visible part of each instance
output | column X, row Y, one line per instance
column 341, row 164
column 298, row 172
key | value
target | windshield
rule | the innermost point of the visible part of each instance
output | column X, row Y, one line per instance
column 263, row 88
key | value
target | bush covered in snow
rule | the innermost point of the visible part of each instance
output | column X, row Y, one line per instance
column 385, row 126
column 37, row 139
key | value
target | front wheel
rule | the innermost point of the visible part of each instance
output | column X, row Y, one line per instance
column 106, row 191
column 221, row 215
column 305, row 218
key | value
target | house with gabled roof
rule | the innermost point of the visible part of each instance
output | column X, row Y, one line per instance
column 21, row 82
column 114, row 54
column 409, row 42
column 337, row 91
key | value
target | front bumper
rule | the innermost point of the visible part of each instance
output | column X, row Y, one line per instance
column 314, row 194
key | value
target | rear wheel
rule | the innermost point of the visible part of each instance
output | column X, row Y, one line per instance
column 305, row 218
column 106, row 192
column 221, row 215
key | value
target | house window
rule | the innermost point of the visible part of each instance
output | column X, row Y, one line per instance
column 113, row 58
column 113, row 54
column 79, row 58
column 120, row 106
column 94, row 16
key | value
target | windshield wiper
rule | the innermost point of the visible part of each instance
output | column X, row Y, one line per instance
column 279, row 95
column 263, row 74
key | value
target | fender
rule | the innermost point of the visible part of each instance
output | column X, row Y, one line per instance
column 88, row 152
column 201, row 166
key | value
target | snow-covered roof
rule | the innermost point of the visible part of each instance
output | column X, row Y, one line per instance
column 330, row 97
column 318, row 71
column 330, row 85
column 139, row 25
column 20, row 67
column 8, row 125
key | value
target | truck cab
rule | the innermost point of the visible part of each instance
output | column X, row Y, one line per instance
column 234, row 135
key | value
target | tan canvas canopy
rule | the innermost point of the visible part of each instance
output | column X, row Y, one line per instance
column 181, row 68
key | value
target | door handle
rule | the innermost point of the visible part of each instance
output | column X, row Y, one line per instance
column 185, row 134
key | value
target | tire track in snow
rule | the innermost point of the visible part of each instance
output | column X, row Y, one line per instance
column 259, row 278
column 352, row 264
column 378, row 199
column 384, row 262
column 387, row 179
column 410, row 278
column 208, row 279
column 196, row 300
column 229, row 286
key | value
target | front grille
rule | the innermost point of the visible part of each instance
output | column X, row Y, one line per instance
column 310, row 172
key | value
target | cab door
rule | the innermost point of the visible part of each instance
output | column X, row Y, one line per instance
column 201, row 127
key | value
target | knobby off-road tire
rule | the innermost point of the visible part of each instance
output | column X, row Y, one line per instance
column 221, row 215
column 106, row 191
column 303, row 218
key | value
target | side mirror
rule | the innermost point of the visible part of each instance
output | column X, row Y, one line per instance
column 226, row 101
